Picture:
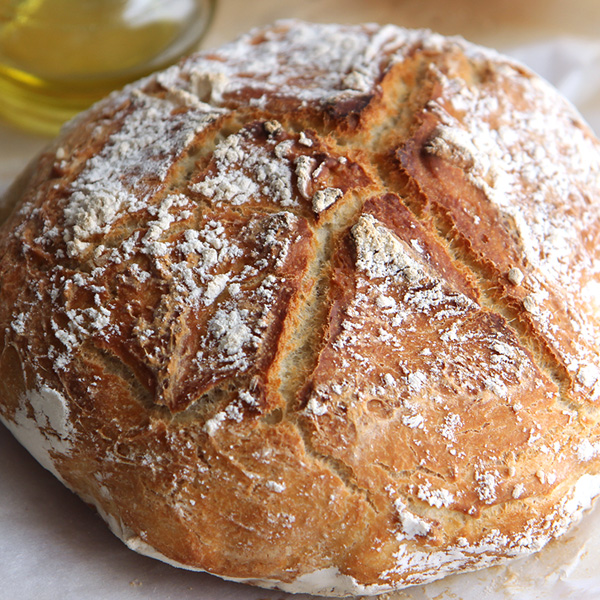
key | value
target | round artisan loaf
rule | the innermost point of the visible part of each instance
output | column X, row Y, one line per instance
column 317, row 310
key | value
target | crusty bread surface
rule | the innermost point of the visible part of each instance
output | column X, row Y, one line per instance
column 317, row 310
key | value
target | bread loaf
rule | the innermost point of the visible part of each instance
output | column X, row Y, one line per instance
column 317, row 310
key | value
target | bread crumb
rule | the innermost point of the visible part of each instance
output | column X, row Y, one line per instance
column 518, row 491
column 323, row 199
column 515, row 276
column 315, row 408
column 305, row 140
column 273, row 127
column 530, row 306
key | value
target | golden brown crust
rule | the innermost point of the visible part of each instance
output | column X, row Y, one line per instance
column 322, row 324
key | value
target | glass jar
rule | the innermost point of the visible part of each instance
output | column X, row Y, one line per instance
column 57, row 57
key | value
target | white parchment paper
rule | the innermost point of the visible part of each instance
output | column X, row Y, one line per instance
column 53, row 547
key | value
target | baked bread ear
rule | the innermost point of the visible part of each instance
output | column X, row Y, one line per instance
column 317, row 310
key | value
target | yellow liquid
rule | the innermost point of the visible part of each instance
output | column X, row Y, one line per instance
column 57, row 57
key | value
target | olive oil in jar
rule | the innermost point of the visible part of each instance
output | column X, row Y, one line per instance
column 57, row 57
